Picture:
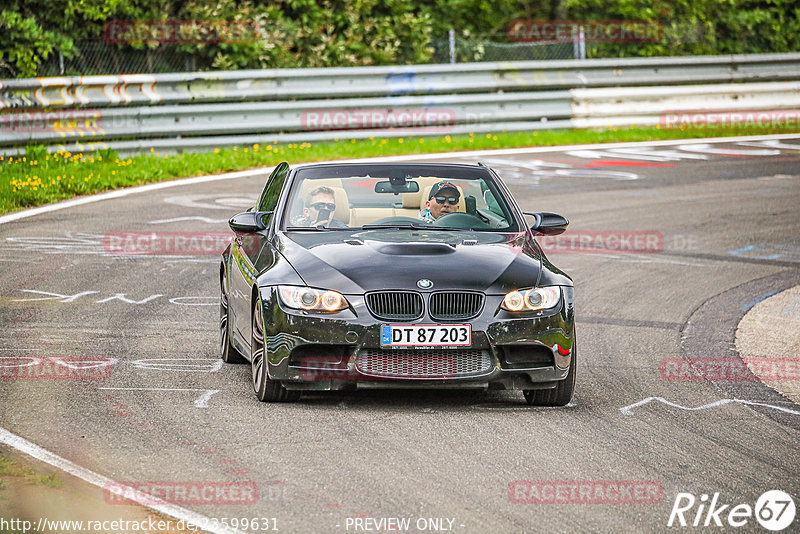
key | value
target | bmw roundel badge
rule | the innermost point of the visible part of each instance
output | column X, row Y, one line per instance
column 424, row 283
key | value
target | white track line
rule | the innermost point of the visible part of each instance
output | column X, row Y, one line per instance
column 155, row 504
column 408, row 157
column 628, row 410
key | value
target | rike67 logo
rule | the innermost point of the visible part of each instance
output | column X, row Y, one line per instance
column 774, row 510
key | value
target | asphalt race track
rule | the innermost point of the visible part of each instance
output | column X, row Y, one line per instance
column 162, row 407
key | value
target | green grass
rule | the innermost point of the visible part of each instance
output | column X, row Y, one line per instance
column 9, row 468
column 41, row 178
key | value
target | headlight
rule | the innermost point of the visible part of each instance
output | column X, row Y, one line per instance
column 308, row 298
column 532, row 299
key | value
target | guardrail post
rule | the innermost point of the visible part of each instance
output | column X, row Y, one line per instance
column 578, row 42
column 452, row 39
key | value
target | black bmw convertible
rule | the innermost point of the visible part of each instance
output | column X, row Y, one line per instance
column 401, row 275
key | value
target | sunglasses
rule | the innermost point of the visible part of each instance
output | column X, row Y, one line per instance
column 330, row 206
column 451, row 200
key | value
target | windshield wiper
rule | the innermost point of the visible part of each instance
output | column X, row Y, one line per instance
column 319, row 228
column 410, row 226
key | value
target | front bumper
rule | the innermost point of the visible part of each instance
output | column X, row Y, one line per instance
column 315, row 351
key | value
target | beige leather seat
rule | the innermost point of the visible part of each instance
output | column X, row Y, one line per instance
column 362, row 216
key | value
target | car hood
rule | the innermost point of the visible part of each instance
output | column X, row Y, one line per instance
column 367, row 260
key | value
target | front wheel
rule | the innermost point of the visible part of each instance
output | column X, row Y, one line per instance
column 267, row 389
column 562, row 393
column 227, row 352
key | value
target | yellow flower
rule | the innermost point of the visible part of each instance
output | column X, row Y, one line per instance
column 400, row 140
column 494, row 138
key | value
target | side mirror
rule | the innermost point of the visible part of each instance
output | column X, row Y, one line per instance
column 249, row 222
column 546, row 223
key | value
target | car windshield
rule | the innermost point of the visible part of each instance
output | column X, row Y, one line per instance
column 325, row 198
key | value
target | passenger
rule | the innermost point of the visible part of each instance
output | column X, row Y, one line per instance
column 443, row 199
column 318, row 210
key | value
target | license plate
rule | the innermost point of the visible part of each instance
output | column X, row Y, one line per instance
column 426, row 335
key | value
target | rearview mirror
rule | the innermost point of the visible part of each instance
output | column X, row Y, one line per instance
column 249, row 222
column 547, row 223
column 396, row 186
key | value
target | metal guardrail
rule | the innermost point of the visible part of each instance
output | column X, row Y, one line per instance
column 349, row 82
column 179, row 112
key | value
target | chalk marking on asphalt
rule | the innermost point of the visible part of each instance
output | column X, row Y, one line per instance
column 212, row 201
column 540, row 168
column 628, row 410
column 199, row 402
column 640, row 258
column 22, row 214
column 196, row 218
column 771, row 144
column 215, row 301
column 708, row 149
column 642, row 153
column 54, row 296
column 154, row 503
column 206, row 365
column 746, row 306
column 118, row 297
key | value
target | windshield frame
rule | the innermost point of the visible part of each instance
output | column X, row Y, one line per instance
column 445, row 171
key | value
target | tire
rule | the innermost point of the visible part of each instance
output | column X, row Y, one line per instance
column 267, row 389
column 227, row 352
column 562, row 393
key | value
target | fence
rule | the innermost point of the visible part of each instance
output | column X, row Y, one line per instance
column 202, row 111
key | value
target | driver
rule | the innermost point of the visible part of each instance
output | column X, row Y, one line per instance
column 318, row 210
column 443, row 199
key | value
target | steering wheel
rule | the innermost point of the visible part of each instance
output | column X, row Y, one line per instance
column 460, row 220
